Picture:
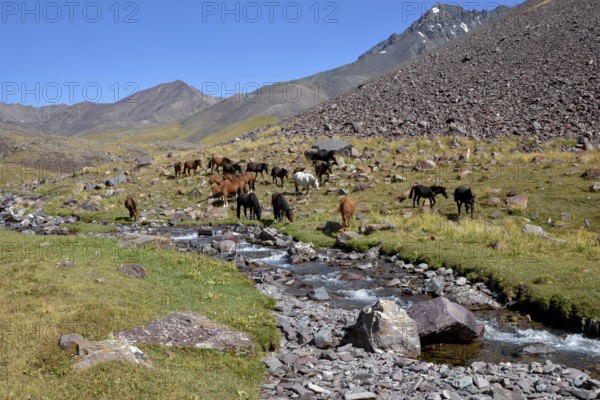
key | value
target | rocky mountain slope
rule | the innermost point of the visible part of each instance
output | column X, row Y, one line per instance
column 162, row 104
column 436, row 27
column 532, row 72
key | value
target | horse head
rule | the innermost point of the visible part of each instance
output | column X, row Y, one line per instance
column 316, row 184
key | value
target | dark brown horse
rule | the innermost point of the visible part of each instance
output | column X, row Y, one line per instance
column 131, row 205
column 279, row 172
column 280, row 207
column 347, row 208
column 191, row 165
column 177, row 167
column 258, row 168
column 322, row 168
column 217, row 161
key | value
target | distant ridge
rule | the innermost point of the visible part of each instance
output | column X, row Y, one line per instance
column 162, row 104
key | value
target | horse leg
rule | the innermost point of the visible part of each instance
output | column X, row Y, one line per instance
column 459, row 203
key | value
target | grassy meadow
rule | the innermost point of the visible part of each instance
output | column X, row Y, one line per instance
column 42, row 300
column 556, row 279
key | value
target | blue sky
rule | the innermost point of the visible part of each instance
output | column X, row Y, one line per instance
column 67, row 51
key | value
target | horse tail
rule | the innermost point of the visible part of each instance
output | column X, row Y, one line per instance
column 412, row 190
column 239, row 207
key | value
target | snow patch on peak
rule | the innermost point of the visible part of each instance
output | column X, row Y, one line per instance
column 435, row 10
column 464, row 26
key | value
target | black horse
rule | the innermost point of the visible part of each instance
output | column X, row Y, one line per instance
column 279, row 172
column 280, row 206
column 249, row 201
column 231, row 168
column 463, row 195
column 324, row 155
column 258, row 168
column 426, row 192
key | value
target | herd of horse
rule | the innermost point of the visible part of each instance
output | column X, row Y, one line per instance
column 242, row 184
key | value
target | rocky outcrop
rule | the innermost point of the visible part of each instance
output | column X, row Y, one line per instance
column 385, row 326
column 189, row 329
column 441, row 321
column 88, row 354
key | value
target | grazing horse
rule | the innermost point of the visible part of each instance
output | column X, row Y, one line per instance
column 231, row 168
column 217, row 161
column 347, row 208
column 280, row 207
column 322, row 168
column 324, row 155
column 466, row 196
column 279, row 172
column 258, row 168
column 191, row 165
column 226, row 188
column 249, row 180
column 177, row 166
column 306, row 181
column 426, row 192
column 215, row 180
column 131, row 205
column 249, row 201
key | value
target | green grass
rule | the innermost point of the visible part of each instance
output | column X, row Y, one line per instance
column 86, row 228
column 41, row 301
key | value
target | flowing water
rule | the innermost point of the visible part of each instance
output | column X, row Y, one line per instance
column 501, row 338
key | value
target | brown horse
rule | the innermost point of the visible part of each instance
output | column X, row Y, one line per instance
column 177, row 167
column 131, row 205
column 347, row 208
column 249, row 180
column 191, row 165
column 217, row 161
column 226, row 188
column 215, row 179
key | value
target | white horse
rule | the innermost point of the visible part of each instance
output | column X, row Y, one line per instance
column 305, row 180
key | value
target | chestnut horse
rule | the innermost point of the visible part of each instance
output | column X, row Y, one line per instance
column 131, row 205
column 191, row 165
column 280, row 206
column 177, row 167
column 226, row 188
column 217, row 161
column 347, row 208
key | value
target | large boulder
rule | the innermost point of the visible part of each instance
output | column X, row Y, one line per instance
column 384, row 326
column 518, row 202
column 189, row 329
column 92, row 353
column 115, row 180
column 300, row 252
column 442, row 321
column 471, row 299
